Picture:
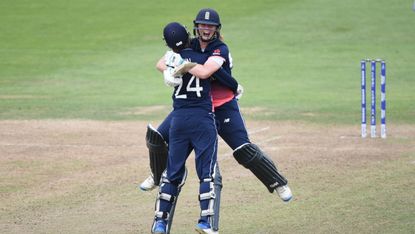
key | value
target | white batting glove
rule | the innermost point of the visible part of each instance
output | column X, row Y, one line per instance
column 169, row 79
column 173, row 59
column 239, row 92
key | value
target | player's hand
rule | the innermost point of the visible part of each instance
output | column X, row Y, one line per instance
column 184, row 67
column 173, row 59
column 169, row 80
column 239, row 92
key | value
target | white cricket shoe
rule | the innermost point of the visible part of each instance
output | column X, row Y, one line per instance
column 284, row 192
column 148, row 184
column 204, row 228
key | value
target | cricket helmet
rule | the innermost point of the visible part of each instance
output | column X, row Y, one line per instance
column 176, row 36
column 210, row 17
column 207, row 16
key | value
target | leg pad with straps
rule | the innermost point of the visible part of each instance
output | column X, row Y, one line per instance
column 251, row 157
column 168, row 193
column 207, row 199
column 158, row 152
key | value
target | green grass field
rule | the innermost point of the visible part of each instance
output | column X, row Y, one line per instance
column 299, row 62
column 95, row 59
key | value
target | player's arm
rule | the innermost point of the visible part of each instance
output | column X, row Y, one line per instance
column 211, row 68
column 201, row 71
column 226, row 79
column 213, row 64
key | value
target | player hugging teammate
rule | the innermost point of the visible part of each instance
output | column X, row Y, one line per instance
column 163, row 143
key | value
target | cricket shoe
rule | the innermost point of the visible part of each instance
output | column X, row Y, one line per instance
column 159, row 227
column 204, row 228
column 148, row 184
column 284, row 192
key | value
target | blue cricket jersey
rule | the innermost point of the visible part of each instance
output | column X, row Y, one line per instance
column 193, row 92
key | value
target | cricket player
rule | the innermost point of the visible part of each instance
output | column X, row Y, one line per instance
column 192, row 127
column 231, row 126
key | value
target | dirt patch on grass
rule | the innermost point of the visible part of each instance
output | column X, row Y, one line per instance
column 57, row 176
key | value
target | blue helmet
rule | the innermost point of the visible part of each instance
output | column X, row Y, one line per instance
column 210, row 17
column 207, row 16
column 176, row 36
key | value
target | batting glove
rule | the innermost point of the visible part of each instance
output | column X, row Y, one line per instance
column 173, row 59
column 169, row 80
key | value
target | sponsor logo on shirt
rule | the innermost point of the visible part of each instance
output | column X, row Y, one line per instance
column 216, row 52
